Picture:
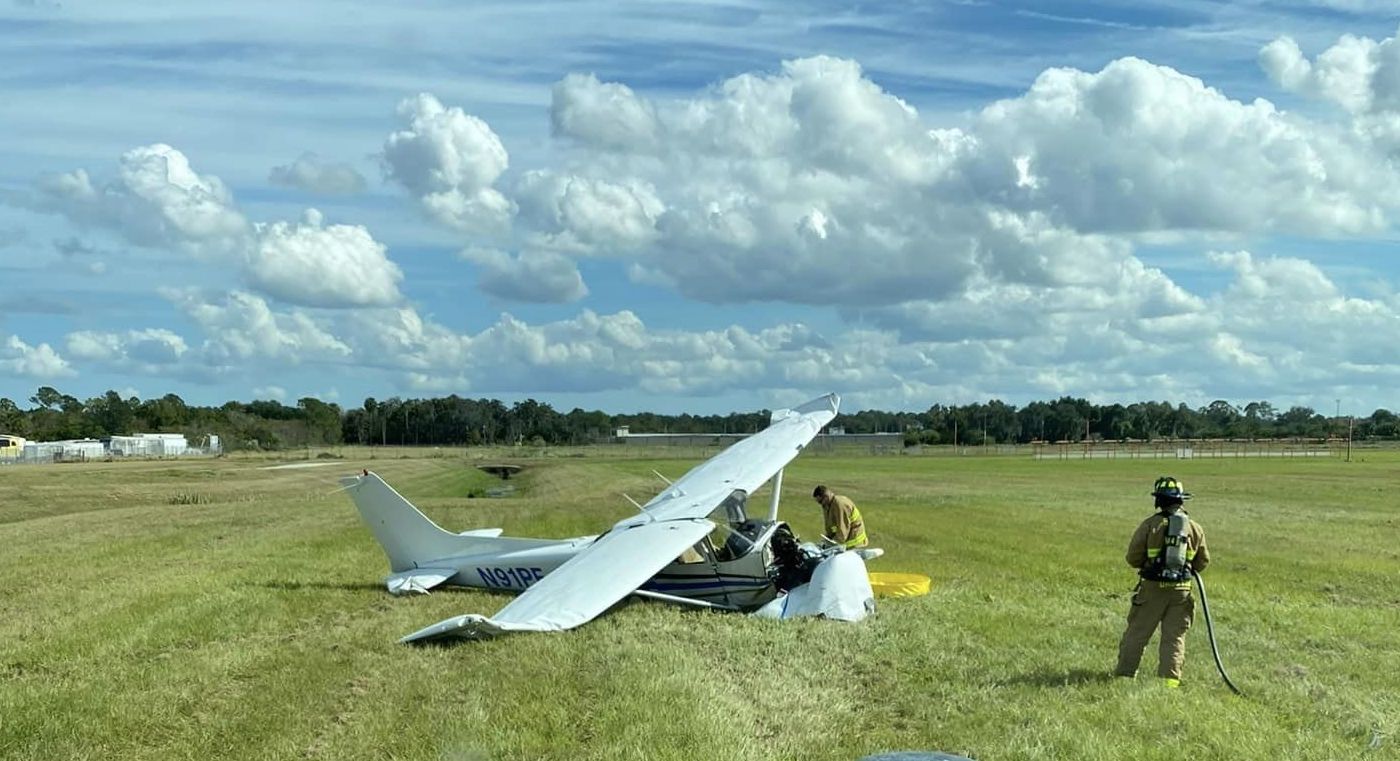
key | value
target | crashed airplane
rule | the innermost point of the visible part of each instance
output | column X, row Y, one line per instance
column 693, row 544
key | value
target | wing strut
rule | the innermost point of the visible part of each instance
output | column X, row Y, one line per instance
column 777, row 492
column 662, row 596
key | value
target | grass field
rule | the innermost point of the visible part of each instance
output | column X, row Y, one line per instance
column 216, row 609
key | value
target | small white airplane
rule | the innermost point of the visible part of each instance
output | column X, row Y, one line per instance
column 693, row 544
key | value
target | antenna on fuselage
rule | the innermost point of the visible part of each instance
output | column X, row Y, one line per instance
column 634, row 502
column 663, row 478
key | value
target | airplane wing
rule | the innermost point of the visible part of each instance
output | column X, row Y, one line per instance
column 747, row 464
column 589, row 583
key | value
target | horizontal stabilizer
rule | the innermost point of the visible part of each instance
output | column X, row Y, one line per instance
column 418, row 580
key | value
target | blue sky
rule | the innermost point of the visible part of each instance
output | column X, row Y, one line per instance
column 702, row 206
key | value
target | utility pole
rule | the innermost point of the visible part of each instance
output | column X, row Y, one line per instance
column 1350, row 419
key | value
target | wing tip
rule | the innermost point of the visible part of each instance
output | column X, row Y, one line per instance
column 467, row 626
column 828, row 403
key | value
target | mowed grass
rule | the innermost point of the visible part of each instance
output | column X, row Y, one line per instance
column 215, row 609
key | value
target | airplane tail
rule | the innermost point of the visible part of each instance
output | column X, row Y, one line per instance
column 409, row 537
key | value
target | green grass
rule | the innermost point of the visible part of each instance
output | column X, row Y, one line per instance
column 215, row 609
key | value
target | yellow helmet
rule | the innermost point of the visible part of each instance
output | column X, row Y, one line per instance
column 1170, row 488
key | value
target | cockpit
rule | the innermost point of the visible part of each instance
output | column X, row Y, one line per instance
column 735, row 534
column 740, row 559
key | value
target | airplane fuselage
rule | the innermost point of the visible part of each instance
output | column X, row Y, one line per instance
column 734, row 575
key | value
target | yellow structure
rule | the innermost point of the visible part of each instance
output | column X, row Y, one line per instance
column 899, row 584
column 11, row 447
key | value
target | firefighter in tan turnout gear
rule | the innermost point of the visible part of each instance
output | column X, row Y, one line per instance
column 841, row 519
column 1165, row 549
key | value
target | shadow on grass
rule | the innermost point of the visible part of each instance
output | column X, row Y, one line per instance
column 1072, row 677
column 361, row 586
column 301, row 586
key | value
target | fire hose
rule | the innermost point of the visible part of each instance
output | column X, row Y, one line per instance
column 1210, row 631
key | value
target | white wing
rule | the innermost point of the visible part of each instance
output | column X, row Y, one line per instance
column 588, row 584
column 746, row 465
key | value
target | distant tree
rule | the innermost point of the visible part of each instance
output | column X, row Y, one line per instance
column 168, row 413
column 322, row 421
column 12, row 419
column 454, row 420
column 1220, row 417
column 47, row 397
column 1033, row 418
column 110, row 415
column 1114, row 422
column 1382, row 423
column 1301, row 421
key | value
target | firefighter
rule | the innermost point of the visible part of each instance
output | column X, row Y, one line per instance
column 840, row 519
column 1165, row 549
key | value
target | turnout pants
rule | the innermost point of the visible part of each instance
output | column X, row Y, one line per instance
column 1154, row 604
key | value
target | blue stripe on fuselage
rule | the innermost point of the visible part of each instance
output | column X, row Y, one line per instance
column 655, row 586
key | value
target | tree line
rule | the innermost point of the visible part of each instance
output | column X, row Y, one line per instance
column 457, row 421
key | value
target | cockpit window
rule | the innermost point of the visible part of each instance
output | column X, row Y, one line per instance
column 692, row 555
column 734, row 534
column 729, row 543
column 731, row 510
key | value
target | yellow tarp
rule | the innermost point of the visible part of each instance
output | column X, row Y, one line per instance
column 900, row 584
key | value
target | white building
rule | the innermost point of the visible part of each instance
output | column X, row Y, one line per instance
column 75, row 450
column 149, row 445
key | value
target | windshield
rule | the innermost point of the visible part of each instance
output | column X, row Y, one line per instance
column 731, row 510
column 730, row 519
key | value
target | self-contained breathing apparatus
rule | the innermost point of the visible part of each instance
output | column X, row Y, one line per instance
column 1170, row 562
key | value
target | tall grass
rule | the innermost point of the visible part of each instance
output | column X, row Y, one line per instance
column 221, row 610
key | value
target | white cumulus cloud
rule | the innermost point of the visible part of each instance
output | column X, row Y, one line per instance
column 449, row 160
column 1359, row 74
column 147, row 351
column 156, row 200
column 815, row 185
column 531, row 276
column 1138, row 147
column 40, row 362
column 310, row 173
column 240, row 326
column 315, row 265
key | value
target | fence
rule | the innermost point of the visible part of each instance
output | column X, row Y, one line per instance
column 1180, row 450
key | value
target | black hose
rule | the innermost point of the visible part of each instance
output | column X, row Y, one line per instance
column 1210, row 630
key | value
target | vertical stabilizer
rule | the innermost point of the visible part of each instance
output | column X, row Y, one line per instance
column 408, row 537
